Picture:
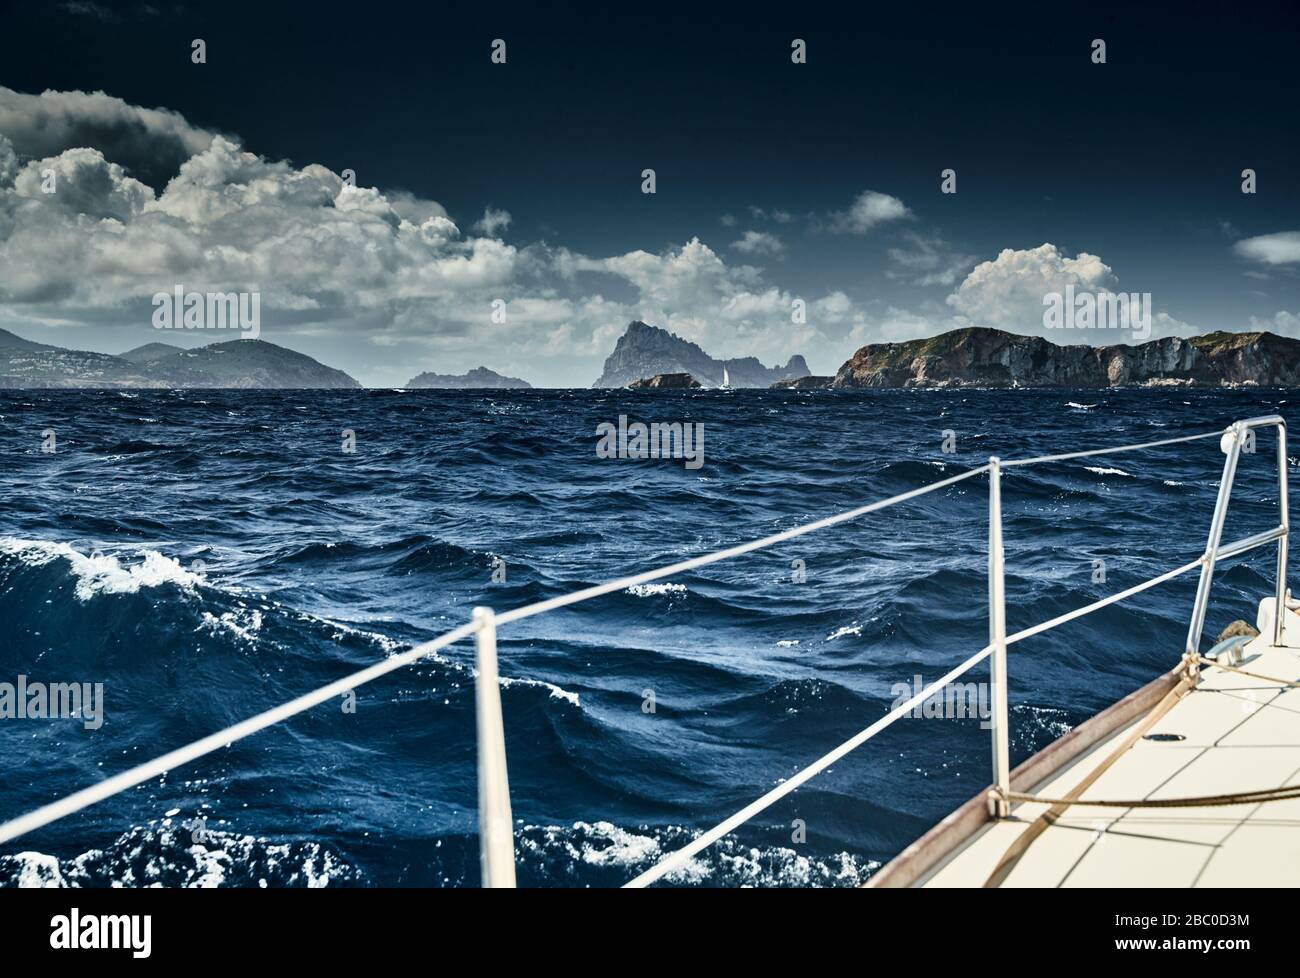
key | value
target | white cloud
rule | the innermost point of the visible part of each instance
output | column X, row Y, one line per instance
column 758, row 243
column 1282, row 322
column 1008, row 291
column 383, row 275
column 928, row 260
column 492, row 222
column 869, row 210
column 150, row 143
column 1281, row 248
column 83, row 182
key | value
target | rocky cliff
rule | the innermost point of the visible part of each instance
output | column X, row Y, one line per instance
column 645, row 351
column 982, row 357
column 665, row 382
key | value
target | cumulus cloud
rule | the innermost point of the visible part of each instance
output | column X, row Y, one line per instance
column 758, row 243
column 150, row 143
column 1281, row 248
column 82, row 182
column 230, row 220
column 353, row 267
column 868, row 211
column 492, row 222
column 1008, row 291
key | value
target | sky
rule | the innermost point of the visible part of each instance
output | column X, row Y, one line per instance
column 495, row 213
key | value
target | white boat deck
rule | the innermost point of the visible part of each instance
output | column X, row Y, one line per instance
column 1238, row 734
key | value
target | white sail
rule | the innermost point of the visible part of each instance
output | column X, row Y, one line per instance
column 726, row 378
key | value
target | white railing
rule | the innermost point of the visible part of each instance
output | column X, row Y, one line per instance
column 495, row 823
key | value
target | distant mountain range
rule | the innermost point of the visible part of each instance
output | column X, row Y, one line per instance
column 646, row 351
column 972, row 357
column 235, row 363
column 480, row 378
column 982, row 357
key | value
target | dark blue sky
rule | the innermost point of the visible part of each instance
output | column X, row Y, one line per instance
column 1136, row 161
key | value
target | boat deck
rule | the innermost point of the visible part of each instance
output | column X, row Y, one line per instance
column 1237, row 734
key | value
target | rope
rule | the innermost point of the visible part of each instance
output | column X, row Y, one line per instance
column 682, row 856
column 1040, row 825
column 86, row 797
column 1110, row 451
column 1059, row 805
column 1253, row 675
column 1203, row 801
column 183, row 755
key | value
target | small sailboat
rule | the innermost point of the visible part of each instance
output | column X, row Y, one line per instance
column 726, row 379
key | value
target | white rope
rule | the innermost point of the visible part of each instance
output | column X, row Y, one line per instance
column 683, row 855
column 1111, row 451
column 1090, row 608
column 222, row 738
column 744, row 548
column 183, row 755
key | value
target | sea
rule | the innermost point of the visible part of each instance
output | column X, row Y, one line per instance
column 202, row 555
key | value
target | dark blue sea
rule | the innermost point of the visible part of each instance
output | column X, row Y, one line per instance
column 209, row 554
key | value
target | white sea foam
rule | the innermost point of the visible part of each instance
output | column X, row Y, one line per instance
column 38, row 871
column 164, row 854
column 846, row 630
column 728, row 861
column 243, row 623
column 390, row 645
column 104, row 573
column 555, row 691
column 1098, row 470
column 647, row 590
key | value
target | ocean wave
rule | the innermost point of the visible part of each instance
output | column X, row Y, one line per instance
column 99, row 573
column 165, row 854
column 554, row 851
column 555, row 691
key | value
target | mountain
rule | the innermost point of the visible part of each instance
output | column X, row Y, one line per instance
column 480, row 378
column 245, row 363
column 646, row 351
column 983, row 357
column 235, row 363
column 24, row 363
column 151, row 351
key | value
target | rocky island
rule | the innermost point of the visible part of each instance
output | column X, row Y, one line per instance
column 645, row 351
column 677, row 382
column 983, row 357
column 254, row 364
column 480, row 378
